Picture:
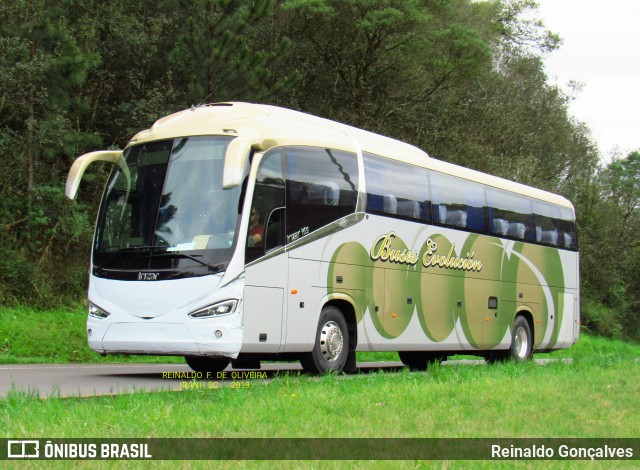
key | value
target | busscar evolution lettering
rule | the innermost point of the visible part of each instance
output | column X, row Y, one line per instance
column 382, row 250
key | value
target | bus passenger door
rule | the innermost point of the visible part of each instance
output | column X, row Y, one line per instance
column 266, row 270
column 303, row 297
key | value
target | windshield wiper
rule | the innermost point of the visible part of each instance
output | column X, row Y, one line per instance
column 125, row 249
column 175, row 254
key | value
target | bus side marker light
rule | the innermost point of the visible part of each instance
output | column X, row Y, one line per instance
column 294, row 291
column 487, row 319
column 393, row 315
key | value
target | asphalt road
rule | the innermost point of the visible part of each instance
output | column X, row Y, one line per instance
column 85, row 380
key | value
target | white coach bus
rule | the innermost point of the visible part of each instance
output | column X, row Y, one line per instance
column 234, row 233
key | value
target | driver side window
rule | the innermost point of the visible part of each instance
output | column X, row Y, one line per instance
column 266, row 223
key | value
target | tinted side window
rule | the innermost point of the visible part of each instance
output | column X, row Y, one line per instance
column 322, row 187
column 397, row 189
column 458, row 203
column 548, row 226
column 510, row 215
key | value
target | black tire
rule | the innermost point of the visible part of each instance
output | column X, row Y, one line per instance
column 420, row 360
column 207, row 364
column 521, row 340
column 497, row 357
column 521, row 344
column 331, row 346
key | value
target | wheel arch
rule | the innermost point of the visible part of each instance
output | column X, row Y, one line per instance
column 346, row 305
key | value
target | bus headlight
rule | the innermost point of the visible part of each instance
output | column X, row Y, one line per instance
column 221, row 308
column 97, row 312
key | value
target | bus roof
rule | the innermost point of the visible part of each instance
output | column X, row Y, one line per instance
column 268, row 126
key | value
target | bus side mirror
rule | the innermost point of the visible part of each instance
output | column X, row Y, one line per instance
column 235, row 159
column 80, row 165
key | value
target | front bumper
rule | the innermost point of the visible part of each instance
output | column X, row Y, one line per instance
column 163, row 338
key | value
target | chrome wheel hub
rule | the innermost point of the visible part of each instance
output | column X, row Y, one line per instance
column 521, row 342
column 331, row 341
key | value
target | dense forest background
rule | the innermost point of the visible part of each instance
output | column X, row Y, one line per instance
column 462, row 79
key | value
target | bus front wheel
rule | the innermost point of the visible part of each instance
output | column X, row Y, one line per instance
column 331, row 345
column 207, row 364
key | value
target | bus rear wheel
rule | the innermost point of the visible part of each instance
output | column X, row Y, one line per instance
column 420, row 360
column 207, row 364
column 331, row 345
column 522, row 341
column 521, row 344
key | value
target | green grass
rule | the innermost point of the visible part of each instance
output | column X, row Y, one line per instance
column 509, row 400
column 29, row 336
column 589, row 347
column 598, row 397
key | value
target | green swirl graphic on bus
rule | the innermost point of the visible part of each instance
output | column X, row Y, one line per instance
column 396, row 282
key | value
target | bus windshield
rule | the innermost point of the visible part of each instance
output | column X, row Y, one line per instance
column 166, row 210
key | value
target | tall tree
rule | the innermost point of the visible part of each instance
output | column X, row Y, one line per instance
column 512, row 123
column 622, row 183
column 214, row 58
column 41, row 70
column 610, row 248
column 368, row 61
column 134, row 85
